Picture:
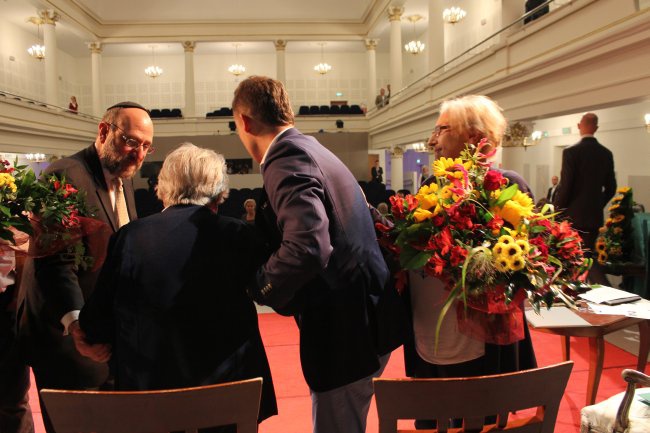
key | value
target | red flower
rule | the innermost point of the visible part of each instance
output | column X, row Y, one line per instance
column 71, row 220
column 495, row 224
column 435, row 265
column 493, row 180
column 57, row 185
column 69, row 189
column 458, row 255
column 539, row 242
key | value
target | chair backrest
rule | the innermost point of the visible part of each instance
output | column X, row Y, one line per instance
column 186, row 409
column 474, row 398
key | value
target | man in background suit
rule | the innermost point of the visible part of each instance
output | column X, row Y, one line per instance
column 53, row 288
column 588, row 183
column 377, row 173
column 325, row 261
column 550, row 195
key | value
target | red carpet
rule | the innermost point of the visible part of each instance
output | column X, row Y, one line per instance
column 281, row 340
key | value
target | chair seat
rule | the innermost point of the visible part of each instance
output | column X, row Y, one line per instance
column 600, row 417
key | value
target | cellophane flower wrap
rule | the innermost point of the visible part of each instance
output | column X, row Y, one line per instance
column 50, row 212
column 614, row 244
column 483, row 237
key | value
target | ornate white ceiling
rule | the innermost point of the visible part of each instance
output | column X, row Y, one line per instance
column 130, row 27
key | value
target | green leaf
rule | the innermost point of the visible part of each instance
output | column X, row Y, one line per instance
column 410, row 258
column 5, row 210
column 448, row 303
column 507, row 194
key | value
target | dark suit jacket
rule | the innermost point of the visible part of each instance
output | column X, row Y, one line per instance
column 325, row 261
column 52, row 286
column 377, row 174
column 171, row 301
column 587, row 183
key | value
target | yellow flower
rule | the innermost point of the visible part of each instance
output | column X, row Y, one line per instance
column 600, row 245
column 501, row 263
column 505, row 239
column 512, row 250
column 602, row 230
column 613, row 207
column 623, row 190
column 523, row 244
column 498, row 248
column 602, row 258
column 520, row 206
column 8, row 181
column 617, row 230
column 422, row 214
column 445, row 193
column 516, row 263
column 444, row 166
column 427, row 201
column 618, row 218
column 428, row 189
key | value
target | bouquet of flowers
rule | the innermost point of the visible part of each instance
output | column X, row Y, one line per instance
column 484, row 238
column 613, row 244
column 50, row 210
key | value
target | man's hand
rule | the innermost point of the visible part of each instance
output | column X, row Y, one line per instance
column 96, row 352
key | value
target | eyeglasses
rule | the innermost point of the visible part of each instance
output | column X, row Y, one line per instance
column 132, row 143
column 438, row 130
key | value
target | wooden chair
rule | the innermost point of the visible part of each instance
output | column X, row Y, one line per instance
column 472, row 399
column 620, row 413
column 186, row 409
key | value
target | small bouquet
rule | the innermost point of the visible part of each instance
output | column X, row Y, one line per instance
column 49, row 210
column 483, row 237
column 614, row 240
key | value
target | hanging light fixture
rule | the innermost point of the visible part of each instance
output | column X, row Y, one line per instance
column 37, row 50
column 35, row 157
column 414, row 47
column 153, row 71
column 453, row 14
column 322, row 68
column 236, row 68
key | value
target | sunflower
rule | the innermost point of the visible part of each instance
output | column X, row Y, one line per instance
column 445, row 167
column 502, row 264
column 618, row 218
column 422, row 214
column 516, row 263
column 520, row 206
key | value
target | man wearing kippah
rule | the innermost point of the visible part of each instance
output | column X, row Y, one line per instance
column 53, row 289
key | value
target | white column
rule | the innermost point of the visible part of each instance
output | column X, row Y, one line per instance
column 49, row 19
column 190, row 94
column 371, row 45
column 96, row 77
column 436, row 36
column 280, row 63
column 397, row 169
column 394, row 16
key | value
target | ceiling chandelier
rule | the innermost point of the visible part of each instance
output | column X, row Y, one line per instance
column 453, row 14
column 153, row 71
column 414, row 47
column 236, row 69
column 37, row 50
column 35, row 157
column 322, row 68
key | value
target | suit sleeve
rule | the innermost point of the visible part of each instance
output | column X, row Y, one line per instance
column 563, row 194
column 297, row 195
column 610, row 182
column 96, row 318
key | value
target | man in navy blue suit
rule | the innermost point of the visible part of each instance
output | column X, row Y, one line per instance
column 324, row 263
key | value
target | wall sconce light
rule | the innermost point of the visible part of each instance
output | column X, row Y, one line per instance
column 536, row 136
column 647, row 122
column 35, row 157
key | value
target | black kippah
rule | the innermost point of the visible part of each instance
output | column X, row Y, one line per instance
column 128, row 104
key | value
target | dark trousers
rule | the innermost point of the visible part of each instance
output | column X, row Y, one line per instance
column 15, row 413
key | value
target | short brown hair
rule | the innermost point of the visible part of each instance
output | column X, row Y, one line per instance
column 265, row 100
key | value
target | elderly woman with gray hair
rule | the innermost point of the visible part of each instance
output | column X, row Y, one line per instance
column 170, row 300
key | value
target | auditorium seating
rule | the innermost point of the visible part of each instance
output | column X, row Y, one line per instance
column 221, row 112
column 313, row 110
column 166, row 113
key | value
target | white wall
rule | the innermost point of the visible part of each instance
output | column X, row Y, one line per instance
column 23, row 75
column 621, row 130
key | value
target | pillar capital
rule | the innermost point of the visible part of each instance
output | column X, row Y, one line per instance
column 189, row 46
column 395, row 13
column 280, row 44
column 371, row 44
column 95, row 47
column 397, row 152
column 48, row 16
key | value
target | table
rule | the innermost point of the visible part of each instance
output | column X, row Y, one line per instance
column 599, row 326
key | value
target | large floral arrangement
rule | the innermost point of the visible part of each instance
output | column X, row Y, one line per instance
column 614, row 240
column 484, row 238
column 49, row 210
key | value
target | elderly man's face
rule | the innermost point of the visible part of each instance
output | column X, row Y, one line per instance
column 119, row 159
